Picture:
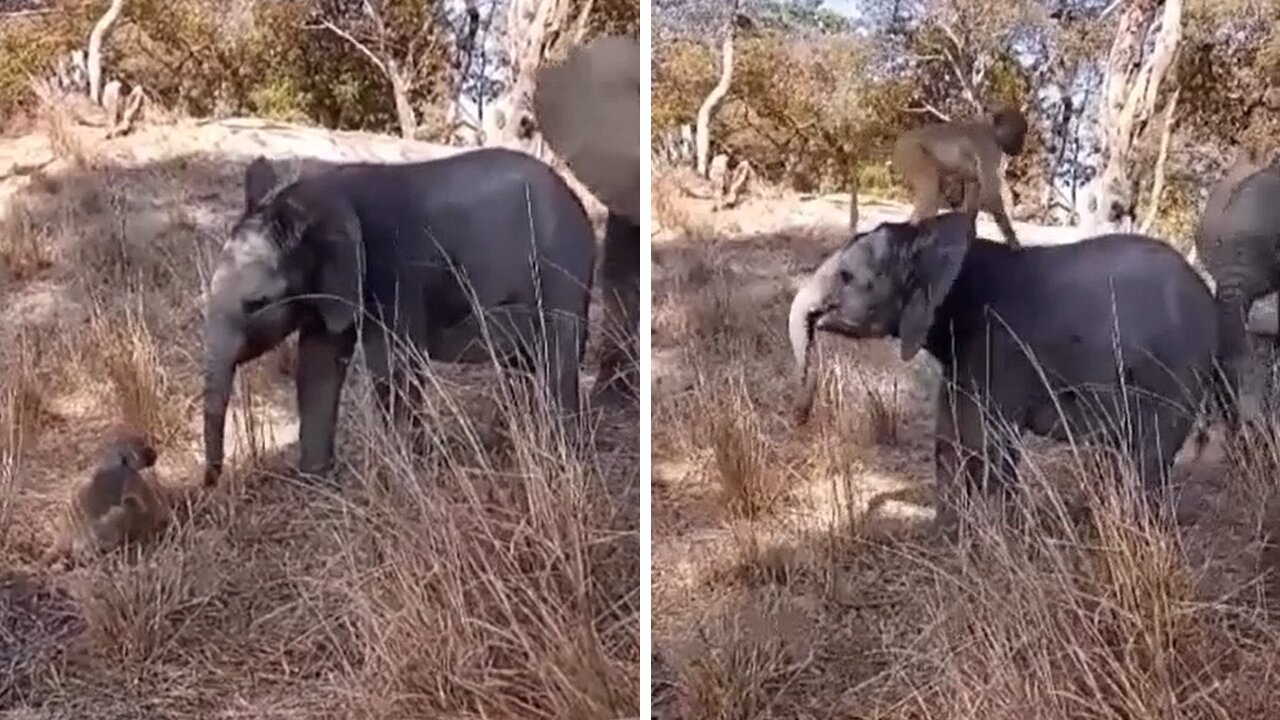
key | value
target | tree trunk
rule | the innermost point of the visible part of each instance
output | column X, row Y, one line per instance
column 405, row 115
column 714, row 97
column 1131, row 89
column 96, row 38
column 1157, row 185
column 534, row 27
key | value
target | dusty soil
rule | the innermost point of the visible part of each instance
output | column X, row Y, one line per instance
column 796, row 571
column 264, row 598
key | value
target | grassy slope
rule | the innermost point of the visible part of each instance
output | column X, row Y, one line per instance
column 795, row 570
column 492, row 575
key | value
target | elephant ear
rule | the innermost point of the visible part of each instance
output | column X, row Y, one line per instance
column 933, row 261
column 259, row 181
column 588, row 110
column 341, row 268
column 323, row 235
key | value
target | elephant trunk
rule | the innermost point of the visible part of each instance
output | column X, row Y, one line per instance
column 219, row 374
column 805, row 307
column 225, row 348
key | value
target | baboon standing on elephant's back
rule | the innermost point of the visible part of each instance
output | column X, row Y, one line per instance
column 970, row 151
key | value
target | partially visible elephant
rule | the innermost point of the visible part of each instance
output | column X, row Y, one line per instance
column 1238, row 241
column 588, row 109
column 981, row 308
column 414, row 248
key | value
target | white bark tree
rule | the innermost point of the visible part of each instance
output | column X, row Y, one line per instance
column 535, row 29
column 1162, row 157
column 1131, row 89
column 96, row 38
column 702, row 132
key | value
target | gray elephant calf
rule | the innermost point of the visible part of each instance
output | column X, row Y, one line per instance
column 1119, row 328
column 1238, row 240
column 416, row 246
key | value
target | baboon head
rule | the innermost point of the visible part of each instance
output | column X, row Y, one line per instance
column 1010, row 128
column 128, row 450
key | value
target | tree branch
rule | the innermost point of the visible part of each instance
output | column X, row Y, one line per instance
column 378, row 62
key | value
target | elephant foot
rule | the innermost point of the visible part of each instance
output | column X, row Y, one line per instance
column 316, row 475
column 211, row 475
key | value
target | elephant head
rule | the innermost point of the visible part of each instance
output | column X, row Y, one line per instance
column 588, row 109
column 291, row 261
column 887, row 282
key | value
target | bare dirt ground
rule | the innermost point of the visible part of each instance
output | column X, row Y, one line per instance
column 796, row 572
column 493, row 574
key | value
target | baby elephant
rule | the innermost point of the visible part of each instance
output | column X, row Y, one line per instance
column 117, row 504
column 1108, row 339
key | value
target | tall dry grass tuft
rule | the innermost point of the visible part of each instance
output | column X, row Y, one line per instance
column 26, row 375
column 56, row 117
column 488, row 570
column 25, row 245
column 146, row 398
column 1059, row 619
column 744, row 660
column 724, row 418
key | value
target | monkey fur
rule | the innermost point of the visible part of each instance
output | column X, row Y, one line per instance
column 117, row 505
column 970, row 151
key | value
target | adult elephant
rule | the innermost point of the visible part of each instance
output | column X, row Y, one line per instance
column 418, row 252
column 588, row 109
column 1238, row 241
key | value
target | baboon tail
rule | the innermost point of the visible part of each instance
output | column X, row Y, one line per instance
column 853, row 201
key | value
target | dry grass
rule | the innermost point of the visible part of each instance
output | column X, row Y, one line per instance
column 489, row 571
column 845, row 602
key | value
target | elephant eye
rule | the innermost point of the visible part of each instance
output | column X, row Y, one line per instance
column 253, row 306
column 846, row 277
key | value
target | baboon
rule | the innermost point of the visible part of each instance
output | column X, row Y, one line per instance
column 969, row 151
column 117, row 504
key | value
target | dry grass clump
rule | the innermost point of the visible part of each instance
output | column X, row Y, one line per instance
column 744, row 661
column 25, row 248
column 146, row 399
column 1106, row 619
column 497, row 577
column 723, row 417
column 56, row 118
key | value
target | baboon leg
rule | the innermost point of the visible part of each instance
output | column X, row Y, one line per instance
column 993, row 191
column 922, row 174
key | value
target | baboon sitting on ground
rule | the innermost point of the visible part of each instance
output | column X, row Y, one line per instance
column 968, row 150
column 117, row 505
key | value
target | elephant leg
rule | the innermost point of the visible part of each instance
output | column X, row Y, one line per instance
column 1232, row 353
column 959, row 463
column 527, row 341
column 322, row 368
column 1153, row 446
column 617, row 377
